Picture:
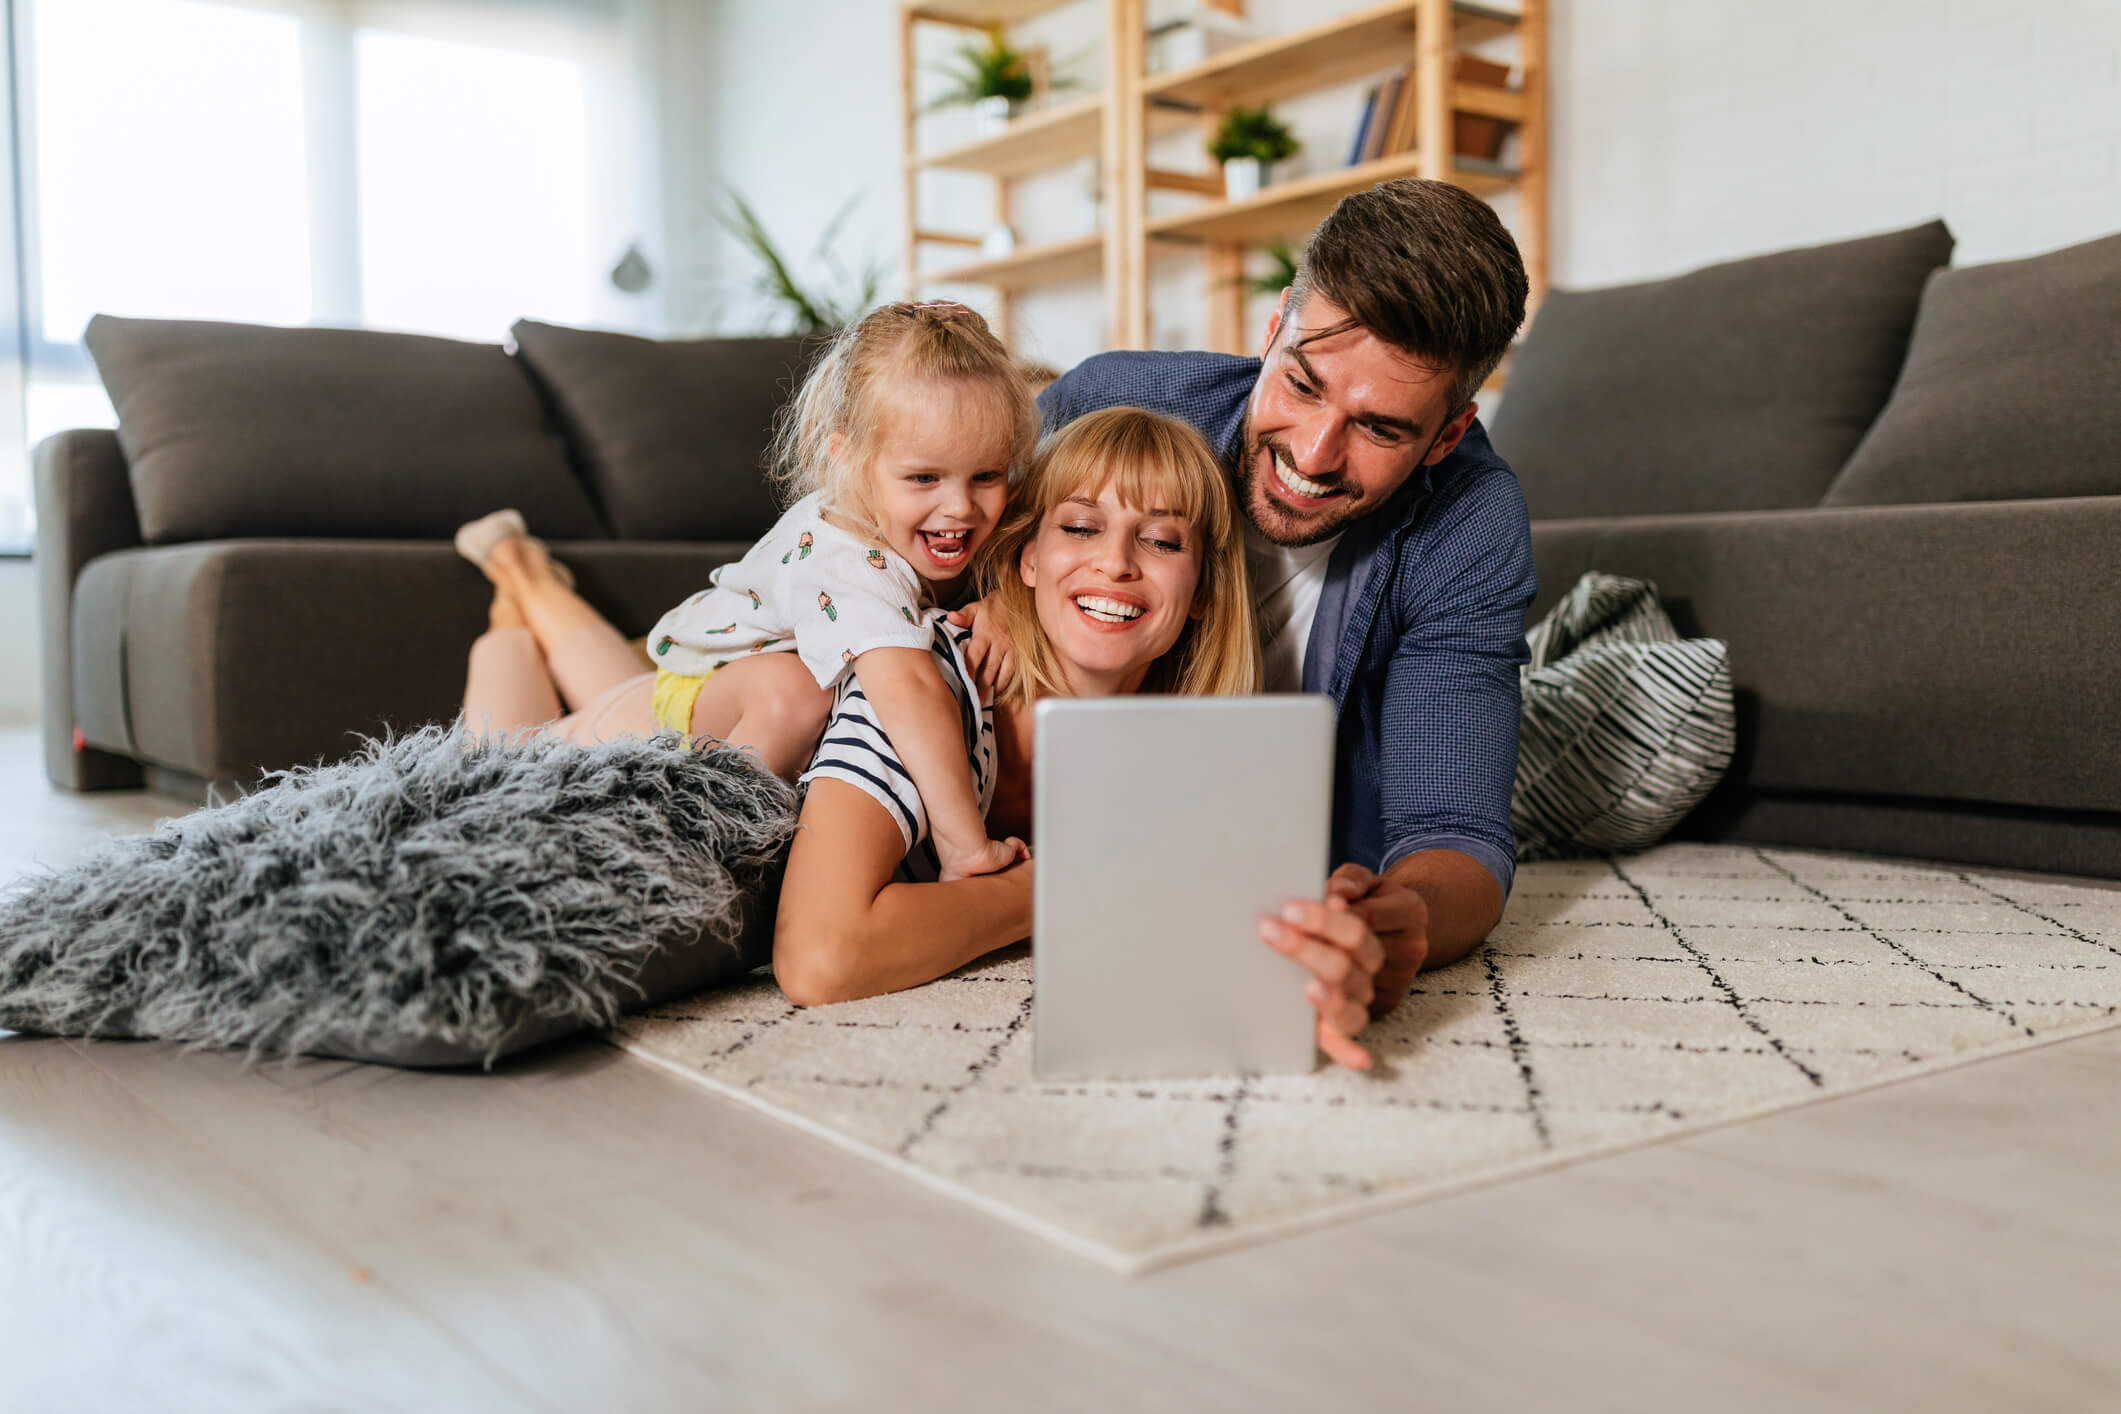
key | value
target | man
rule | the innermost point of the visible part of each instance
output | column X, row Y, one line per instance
column 1391, row 558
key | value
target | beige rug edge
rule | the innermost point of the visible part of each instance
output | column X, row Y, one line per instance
column 1135, row 1264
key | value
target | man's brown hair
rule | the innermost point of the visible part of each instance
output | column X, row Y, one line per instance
column 1426, row 267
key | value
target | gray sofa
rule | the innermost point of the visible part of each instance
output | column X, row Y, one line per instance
column 256, row 566
column 1895, row 489
column 1922, row 606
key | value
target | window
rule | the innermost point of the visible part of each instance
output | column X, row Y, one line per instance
column 474, row 182
column 290, row 161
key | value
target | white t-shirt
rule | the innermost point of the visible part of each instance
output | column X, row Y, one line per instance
column 1286, row 584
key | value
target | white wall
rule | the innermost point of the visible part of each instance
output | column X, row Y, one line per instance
column 1684, row 133
column 1689, row 133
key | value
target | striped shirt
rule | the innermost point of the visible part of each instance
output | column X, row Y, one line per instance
column 855, row 750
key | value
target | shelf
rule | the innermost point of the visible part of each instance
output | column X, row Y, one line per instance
column 1365, row 42
column 1292, row 208
column 983, row 12
column 1052, row 138
column 1050, row 264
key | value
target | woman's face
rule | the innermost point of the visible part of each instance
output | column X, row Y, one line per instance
column 1114, row 586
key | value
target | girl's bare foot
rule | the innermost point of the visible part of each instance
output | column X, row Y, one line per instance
column 501, row 545
column 521, row 565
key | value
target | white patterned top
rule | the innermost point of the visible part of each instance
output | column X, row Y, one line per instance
column 808, row 587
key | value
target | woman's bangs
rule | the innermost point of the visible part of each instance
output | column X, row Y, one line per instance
column 1141, row 483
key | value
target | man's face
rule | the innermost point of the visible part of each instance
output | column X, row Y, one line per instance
column 1336, row 424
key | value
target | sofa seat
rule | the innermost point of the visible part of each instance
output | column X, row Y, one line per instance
column 223, row 659
column 1894, row 655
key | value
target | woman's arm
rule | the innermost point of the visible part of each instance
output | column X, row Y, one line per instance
column 845, row 930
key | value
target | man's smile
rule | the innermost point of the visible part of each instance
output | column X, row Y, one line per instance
column 1297, row 488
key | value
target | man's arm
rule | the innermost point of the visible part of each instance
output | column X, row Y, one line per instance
column 1448, row 758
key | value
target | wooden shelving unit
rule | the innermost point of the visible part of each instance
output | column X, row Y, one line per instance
column 1304, row 202
column 1029, row 266
column 1115, row 124
column 1035, row 143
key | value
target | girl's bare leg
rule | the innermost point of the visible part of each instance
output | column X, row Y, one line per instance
column 507, row 689
column 770, row 704
column 587, row 656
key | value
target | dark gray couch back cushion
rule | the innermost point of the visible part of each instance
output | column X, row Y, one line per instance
column 671, row 434
column 2012, row 388
column 1739, row 387
column 235, row 430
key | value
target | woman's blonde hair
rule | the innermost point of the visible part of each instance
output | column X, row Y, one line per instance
column 849, row 392
column 1151, row 462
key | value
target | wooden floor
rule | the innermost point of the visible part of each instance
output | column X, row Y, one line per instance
column 582, row 1232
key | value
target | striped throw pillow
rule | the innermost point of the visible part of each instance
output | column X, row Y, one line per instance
column 1626, row 726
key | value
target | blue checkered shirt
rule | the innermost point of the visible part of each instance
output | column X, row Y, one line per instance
column 1420, row 625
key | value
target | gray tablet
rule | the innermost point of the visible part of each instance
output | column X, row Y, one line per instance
column 1164, row 827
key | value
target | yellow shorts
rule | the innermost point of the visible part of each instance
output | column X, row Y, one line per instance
column 673, row 699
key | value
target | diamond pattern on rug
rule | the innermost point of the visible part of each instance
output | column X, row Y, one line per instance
column 1619, row 1002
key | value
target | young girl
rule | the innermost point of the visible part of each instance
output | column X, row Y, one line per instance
column 900, row 446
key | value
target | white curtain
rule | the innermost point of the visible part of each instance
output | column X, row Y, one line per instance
column 437, row 166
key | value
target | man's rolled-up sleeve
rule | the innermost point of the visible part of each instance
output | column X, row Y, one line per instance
column 1448, row 753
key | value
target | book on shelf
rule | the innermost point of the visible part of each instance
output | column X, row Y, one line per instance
column 1362, row 128
column 1389, row 101
column 1400, row 136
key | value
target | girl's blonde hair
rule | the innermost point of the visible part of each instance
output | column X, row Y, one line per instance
column 849, row 392
column 1152, row 462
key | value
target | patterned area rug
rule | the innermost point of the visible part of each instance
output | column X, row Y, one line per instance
column 1620, row 1002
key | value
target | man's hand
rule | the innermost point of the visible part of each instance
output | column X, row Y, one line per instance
column 986, row 652
column 1342, row 954
column 1400, row 919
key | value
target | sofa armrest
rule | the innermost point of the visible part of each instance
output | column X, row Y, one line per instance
column 1951, row 652
column 84, row 509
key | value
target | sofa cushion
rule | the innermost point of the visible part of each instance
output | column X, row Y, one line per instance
column 671, row 434
column 1626, row 727
column 241, row 430
column 1739, row 387
column 227, row 658
column 2012, row 388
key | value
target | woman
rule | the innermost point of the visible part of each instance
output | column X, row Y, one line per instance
column 1119, row 568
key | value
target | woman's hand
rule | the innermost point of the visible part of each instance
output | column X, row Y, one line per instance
column 987, row 653
column 1343, row 955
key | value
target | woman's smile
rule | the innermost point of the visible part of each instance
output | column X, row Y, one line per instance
column 1111, row 612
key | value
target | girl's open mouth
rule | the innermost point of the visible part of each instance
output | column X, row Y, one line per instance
column 945, row 549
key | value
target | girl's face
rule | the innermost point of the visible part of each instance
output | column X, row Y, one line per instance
column 939, row 476
column 1114, row 585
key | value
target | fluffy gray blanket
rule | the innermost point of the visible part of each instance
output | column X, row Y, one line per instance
column 426, row 888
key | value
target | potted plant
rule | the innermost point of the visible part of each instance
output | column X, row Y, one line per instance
column 1248, row 143
column 1283, row 263
column 993, row 79
column 838, row 300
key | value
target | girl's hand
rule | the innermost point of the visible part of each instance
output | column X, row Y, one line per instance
column 986, row 652
column 1343, row 956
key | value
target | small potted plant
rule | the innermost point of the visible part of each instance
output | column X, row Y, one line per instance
column 1248, row 144
column 993, row 79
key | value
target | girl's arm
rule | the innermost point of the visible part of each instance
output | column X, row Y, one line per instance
column 919, row 713
column 845, row 930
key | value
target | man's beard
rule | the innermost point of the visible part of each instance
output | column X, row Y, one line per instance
column 1292, row 529
column 1285, row 527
